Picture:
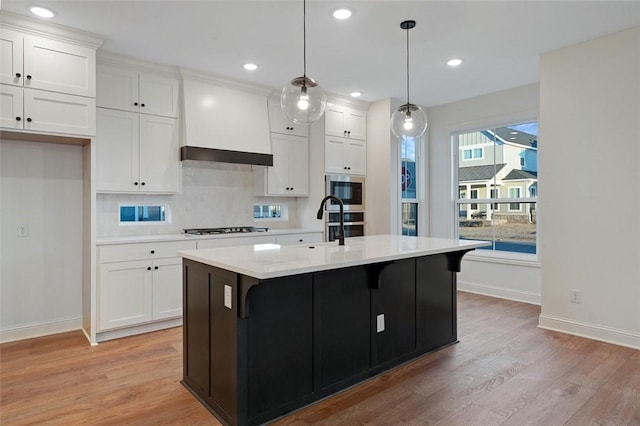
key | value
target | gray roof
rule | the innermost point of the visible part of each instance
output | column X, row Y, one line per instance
column 516, row 174
column 478, row 172
column 515, row 137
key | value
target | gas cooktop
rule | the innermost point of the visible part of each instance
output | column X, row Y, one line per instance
column 225, row 230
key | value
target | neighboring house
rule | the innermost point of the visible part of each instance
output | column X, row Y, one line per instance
column 498, row 163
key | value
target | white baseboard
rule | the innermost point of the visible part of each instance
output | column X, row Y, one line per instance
column 591, row 331
column 103, row 336
column 500, row 292
column 41, row 329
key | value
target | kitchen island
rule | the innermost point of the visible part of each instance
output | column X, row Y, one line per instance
column 270, row 328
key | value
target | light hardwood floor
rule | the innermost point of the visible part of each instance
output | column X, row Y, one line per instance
column 504, row 371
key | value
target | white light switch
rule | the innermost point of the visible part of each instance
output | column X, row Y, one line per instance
column 380, row 323
column 227, row 296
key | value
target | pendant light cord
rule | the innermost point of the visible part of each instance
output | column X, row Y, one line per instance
column 304, row 37
column 408, row 65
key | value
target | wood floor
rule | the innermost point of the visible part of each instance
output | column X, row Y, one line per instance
column 504, row 371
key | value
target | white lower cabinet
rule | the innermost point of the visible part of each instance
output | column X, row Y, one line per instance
column 139, row 283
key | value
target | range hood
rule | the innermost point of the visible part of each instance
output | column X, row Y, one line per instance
column 224, row 121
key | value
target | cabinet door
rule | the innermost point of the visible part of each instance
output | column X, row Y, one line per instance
column 11, row 57
column 159, row 154
column 278, row 182
column 74, row 71
column 11, row 107
column 395, row 300
column 117, row 88
column 124, row 294
column 59, row 113
column 167, row 288
column 299, row 166
column 159, row 95
column 280, row 123
column 334, row 122
column 355, row 157
column 342, row 302
column 356, row 124
column 117, row 151
column 334, row 155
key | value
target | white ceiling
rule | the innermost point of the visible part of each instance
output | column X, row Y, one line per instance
column 500, row 41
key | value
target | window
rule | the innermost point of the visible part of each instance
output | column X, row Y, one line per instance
column 143, row 214
column 508, row 168
column 269, row 212
column 408, row 181
column 473, row 153
column 514, row 193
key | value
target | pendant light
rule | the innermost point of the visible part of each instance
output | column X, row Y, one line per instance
column 409, row 120
column 303, row 100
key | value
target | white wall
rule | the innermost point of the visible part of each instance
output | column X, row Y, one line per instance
column 590, row 188
column 516, row 279
column 40, row 274
column 308, row 206
column 380, row 202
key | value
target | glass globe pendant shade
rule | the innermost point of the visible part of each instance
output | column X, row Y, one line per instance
column 303, row 100
column 409, row 120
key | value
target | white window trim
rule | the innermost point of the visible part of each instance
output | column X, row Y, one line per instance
column 519, row 209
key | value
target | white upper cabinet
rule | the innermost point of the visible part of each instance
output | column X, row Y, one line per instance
column 345, row 156
column 47, row 85
column 137, row 153
column 289, row 175
column 47, row 64
column 280, row 123
column 345, row 122
column 128, row 89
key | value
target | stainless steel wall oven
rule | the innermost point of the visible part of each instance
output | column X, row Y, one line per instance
column 350, row 189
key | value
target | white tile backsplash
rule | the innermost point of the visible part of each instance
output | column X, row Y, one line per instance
column 213, row 195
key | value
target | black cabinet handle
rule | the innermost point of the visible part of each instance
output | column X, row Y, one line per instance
column 155, row 267
column 29, row 119
column 292, row 188
column 349, row 132
column 135, row 183
column 135, row 104
column 143, row 184
column 148, row 268
column 28, row 77
column 153, row 252
column 142, row 105
column 300, row 240
column 18, row 118
column 344, row 133
column 18, row 75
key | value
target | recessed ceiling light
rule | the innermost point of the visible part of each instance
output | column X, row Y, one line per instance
column 42, row 12
column 514, row 133
column 454, row 62
column 355, row 94
column 250, row 67
column 342, row 14
column 513, row 138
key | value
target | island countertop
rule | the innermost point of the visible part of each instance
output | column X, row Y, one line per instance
column 264, row 261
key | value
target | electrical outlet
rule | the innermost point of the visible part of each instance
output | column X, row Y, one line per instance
column 23, row 231
column 575, row 296
column 380, row 323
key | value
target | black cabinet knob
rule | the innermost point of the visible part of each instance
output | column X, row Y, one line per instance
column 135, row 104
column 28, row 77
column 18, row 75
column 142, row 105
column 135, row 183
column 18, row 118
column 143, row 184
column 344, row 133
column 29, row 119
column 155, row 267
column 300, row 240
column 345, row 167
column 153, row 252
column 148, row 268
column 349, row 132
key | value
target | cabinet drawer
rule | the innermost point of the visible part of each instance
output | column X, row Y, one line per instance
column 142, row 251
column 239, row 241
column 299, row 238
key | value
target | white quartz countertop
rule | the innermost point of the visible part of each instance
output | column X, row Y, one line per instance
column 187, row 237
column 263, row 261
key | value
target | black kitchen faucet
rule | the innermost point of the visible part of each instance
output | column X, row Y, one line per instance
column 340, row 234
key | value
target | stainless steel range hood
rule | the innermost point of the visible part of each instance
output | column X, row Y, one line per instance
column 224, row 121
